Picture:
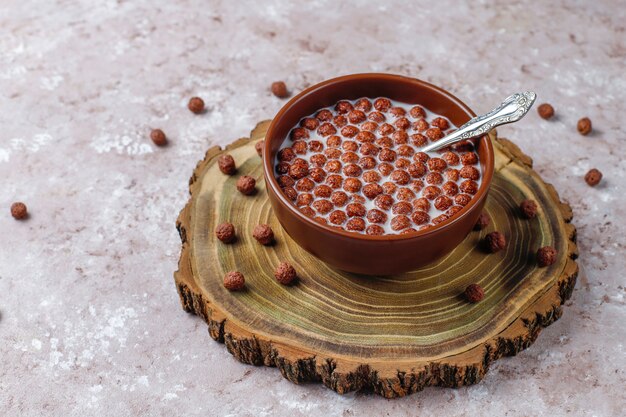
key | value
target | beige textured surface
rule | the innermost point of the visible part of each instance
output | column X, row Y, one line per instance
column 89, row 320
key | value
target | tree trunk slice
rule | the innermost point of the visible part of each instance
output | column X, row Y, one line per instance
column 393, row 335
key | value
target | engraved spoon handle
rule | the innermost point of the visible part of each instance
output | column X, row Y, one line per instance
column 512, row 109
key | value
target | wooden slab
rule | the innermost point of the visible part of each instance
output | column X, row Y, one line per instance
column 393, row 335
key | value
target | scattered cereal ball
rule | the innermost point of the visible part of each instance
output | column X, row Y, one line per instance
column 196, row 105
column 367, row 162
column 307, row 211
column 259, row 147
column 363, row 104
column 400, row 177
column 382, row 104
column 320, row 220
column 337, row 217
column 352, row 170
column 298, row 133
column 158, row 137
column 264, row 234
column 593, row 177
column 365, row 136
column 285, row 273
column 385, row 168
column 371, row 176
column 545, row 111
column 584, row 126
column 417, row 185
column 452, row 174
column 225, row 232
column 374, row 230
column 226, row 164
column 356, row 224
column 528, row 209
column 400, row 222
column 453, row 210
column 371, row 191
column 324, row 115
column 407, row 231
column 234, row 281
column 279, row 89
column 482, row 222
column 420, row 217
column 495, row 241
column 418, row 139
column 386, row 129
column 369, row 126
column 421, row 157
column 318, row 160
column 546, row 256
column 421, row 125
column 441, row 123
column 474, row 293
column 246, row 185
column 19, row 211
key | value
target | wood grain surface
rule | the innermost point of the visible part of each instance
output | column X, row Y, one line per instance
column 391, row 335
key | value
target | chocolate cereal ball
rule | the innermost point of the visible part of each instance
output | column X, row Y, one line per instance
column 482, row 222
column 593, row 177
column 546, row 256
column 226, row 164
column 158, row 137
column 356, row 224
column 225, row 232
column 279, row 89
column 19, row 211
column 259, row 147
column 196, row 105
column 234, row 281
column 264, row 234
column 474, row 293
column 246, row 185
column 528, row 208
column 545, row 110
column 495, row 242
column 285, row 273
column 584, row 126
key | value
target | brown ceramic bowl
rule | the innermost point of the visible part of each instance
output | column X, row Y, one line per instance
column 359, row 253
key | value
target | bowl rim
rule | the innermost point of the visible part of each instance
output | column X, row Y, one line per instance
column 268, row 166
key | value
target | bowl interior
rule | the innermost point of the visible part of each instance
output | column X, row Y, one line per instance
column 404, row 89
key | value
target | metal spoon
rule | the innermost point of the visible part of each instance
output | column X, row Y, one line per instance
column 511, row 110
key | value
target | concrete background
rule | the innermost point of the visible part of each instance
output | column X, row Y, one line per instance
column 90, row 323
